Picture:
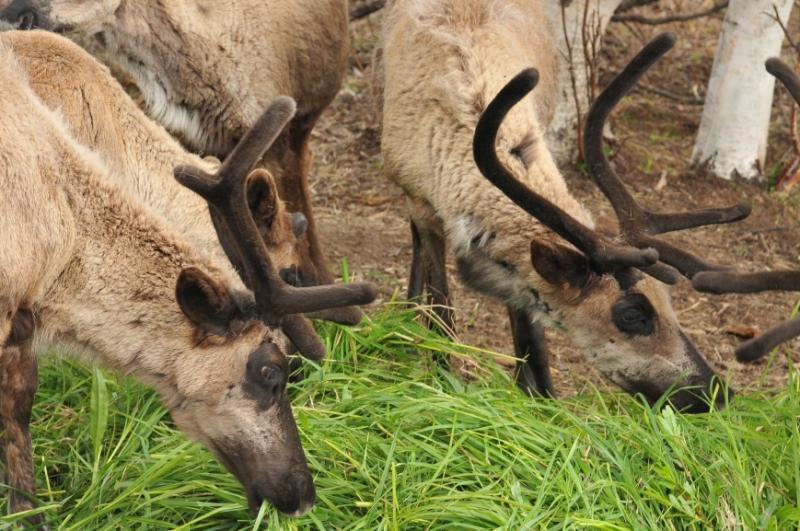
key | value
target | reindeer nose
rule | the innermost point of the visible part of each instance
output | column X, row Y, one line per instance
column 299, row 224
column 307, row 494
column 290, row 276
column 21, row 14
column 27, row 20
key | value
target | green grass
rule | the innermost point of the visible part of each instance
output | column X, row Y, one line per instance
column 396, row 444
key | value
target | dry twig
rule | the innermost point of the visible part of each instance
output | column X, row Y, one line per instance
column 640, row 19
column 790, row 170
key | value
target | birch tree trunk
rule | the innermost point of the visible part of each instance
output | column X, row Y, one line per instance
column 732, row 139
column 576, row 33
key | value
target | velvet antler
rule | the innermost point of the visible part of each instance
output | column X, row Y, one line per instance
column 225, row 192
column 638, row 225
column 604, row 254
column 728, row 282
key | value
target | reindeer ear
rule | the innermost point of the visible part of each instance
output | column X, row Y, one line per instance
column 559, row 264
column 263, row 200
column 204, row 301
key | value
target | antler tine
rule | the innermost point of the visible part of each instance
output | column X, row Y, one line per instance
column 726, row 282
column 752, row 349
column 604, row 254
column 637, row 225
column 785, row 74
column 226, row 193
column 228, row 183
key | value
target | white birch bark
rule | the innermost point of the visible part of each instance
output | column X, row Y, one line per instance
column 732, row 139
column 562, row 134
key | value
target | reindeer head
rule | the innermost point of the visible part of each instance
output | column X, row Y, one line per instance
column 86, row 18
column 232, row 397
column 236, row 402
column 597, row 289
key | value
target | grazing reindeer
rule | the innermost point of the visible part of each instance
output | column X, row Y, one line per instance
column 208, row 69
column 90, row 269
column 100, row 115
column 730, row 282
column 439, row 66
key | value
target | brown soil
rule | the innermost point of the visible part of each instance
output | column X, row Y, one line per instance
column 362, row 218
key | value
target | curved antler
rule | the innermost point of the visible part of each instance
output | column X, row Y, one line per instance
column 729, row 282
column 225, row 192
column 638, row 225
column 604, row 254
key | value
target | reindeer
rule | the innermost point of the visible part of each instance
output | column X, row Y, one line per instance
column 208, row 69
column 90, row 269
column 788, row 280
column 100, row 115
column 439, row 66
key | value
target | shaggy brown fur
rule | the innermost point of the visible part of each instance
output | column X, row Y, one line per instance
column 101, row 116
column 98, row 270
column 208, row 69
column 439, row 65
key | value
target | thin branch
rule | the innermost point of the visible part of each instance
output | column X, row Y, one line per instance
column 670, row 95
column 777, row 18
column 788, row 174
column 627, row 5
column 641, row 86
column 364, row 8
column 572, row 78
column 771, row 229
column 665, row 20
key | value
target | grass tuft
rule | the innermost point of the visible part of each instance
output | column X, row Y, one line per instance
column 395, row 443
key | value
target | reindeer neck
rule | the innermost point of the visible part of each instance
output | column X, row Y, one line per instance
column 190, row 92
column 100, row 115
column 115, row 298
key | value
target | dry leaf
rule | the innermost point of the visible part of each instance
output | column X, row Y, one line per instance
column 742, row 330
column 662, row 182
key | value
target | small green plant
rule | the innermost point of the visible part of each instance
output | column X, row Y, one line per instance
column 646, row 165
column 772, row 176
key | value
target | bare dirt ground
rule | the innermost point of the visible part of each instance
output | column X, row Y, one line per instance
column 362, row 218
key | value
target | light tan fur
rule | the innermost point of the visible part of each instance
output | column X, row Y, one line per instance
column 209, row 68
column 438, row 66
column 98, row 271
column 100, row 115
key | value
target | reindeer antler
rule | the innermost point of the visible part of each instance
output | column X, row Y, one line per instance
column 604, row 254
column 225, row 192
column 638, row 225
column 729, row 282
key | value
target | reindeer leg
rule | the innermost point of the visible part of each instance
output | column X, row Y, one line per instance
column 300, row 164
column 289, row 161
column 416, row 277
column 432, row 258
column 532, row 372
column 19, row 378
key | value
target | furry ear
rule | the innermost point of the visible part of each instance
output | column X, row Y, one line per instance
column 204, row 301
column 560, row 265
column 263, row 200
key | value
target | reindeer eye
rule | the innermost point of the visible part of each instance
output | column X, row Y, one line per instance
column 266, row 375
column 633, row 315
